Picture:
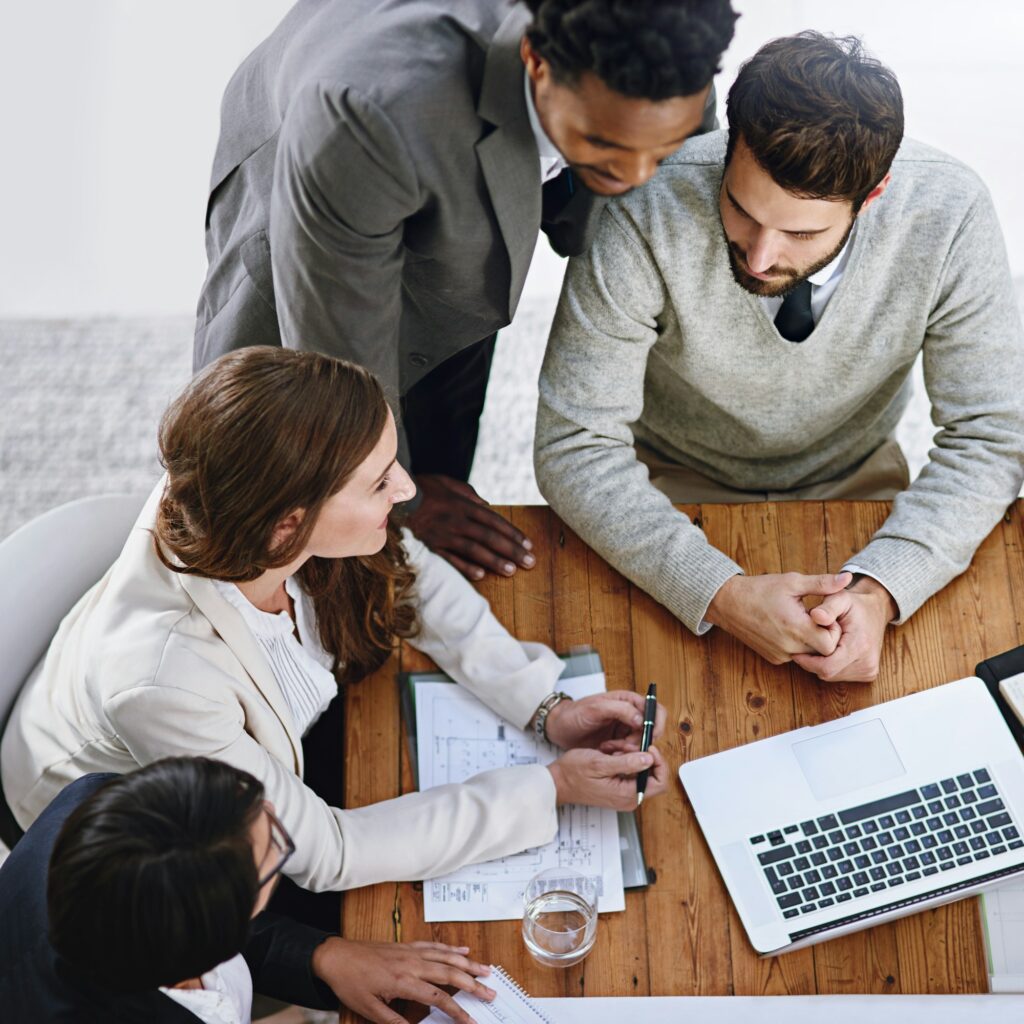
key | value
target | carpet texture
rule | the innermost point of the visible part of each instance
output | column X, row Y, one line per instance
column 80, row 402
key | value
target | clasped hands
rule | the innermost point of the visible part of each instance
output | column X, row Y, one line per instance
column 838, row 639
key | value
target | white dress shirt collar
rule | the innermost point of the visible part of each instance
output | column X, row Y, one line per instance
column 552, row 163
column 226, row 995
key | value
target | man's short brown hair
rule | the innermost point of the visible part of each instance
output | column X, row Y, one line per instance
column 821, row 116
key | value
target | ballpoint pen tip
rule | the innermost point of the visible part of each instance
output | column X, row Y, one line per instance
column 639, row 799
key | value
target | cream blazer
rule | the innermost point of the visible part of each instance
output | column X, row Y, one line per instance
column 151, row 663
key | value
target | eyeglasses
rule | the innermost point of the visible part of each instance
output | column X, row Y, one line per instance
column 281, row 845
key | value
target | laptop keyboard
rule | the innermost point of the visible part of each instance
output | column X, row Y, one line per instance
column 881, row 845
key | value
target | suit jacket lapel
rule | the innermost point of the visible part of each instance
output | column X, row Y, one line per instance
column 236, row 634
column 508, row 155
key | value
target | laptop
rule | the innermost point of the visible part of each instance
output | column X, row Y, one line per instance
column 830, row 829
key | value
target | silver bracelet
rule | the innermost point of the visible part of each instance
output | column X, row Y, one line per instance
column 540, row 721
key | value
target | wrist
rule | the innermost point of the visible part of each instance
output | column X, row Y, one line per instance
column 554, row 721
column 871, row 588
column 325, row 954
column 540, row 723
column 558, row 777
column 720, row 607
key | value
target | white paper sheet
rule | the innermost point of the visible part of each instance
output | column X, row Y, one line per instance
column 1003, row 917
column 833, row 1009
column 457, row 737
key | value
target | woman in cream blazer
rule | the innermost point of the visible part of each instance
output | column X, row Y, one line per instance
column 156, row 661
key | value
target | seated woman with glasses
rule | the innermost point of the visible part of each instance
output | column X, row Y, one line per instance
column 263, row 573
column 141, row 898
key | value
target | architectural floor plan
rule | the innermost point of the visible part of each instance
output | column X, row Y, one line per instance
column 458, row 737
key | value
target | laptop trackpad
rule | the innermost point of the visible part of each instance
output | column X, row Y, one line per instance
column 848, row 759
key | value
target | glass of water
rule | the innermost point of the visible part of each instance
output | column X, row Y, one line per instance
column 560, row 919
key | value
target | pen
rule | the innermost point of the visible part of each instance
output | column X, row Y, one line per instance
column 650, row 712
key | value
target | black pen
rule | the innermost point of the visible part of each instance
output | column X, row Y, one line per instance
column 650, row 712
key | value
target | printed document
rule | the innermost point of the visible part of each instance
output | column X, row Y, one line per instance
column 458, row 737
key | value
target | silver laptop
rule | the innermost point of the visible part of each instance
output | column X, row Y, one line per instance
column 834, row 828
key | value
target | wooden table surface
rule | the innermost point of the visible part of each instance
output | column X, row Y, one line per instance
column 681, row 935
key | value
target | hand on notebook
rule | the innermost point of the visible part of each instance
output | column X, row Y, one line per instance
column 600, row 779
column 366, row 976
column 862, row 613
column 767, row 613
column 594, row 720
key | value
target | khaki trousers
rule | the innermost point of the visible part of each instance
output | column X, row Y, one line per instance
column 880, row 477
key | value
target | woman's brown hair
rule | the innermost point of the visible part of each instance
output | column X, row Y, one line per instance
column 263, row 432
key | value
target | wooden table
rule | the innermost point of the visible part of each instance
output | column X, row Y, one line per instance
column 681, row 935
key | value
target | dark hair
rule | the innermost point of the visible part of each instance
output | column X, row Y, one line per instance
column 152, row 879
column 820, row 115
column 259, row 434
column 649, row 49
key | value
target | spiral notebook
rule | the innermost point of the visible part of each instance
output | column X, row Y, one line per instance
column 511, row 1006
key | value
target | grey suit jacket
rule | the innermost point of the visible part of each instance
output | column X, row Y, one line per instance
column 376, row 189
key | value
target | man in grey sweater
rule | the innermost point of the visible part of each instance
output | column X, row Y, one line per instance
column 744, row 329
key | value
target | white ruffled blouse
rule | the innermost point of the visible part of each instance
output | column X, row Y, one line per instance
column 300, row 664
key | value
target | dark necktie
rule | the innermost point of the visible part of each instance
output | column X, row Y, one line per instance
column 556, row 193
column 793, row 320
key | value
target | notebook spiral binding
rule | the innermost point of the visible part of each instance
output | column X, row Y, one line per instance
column 520, row 994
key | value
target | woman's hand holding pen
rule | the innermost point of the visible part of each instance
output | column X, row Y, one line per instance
column 611, row 722
column 607, row 779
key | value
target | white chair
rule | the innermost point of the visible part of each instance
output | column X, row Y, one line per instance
column 45, row 567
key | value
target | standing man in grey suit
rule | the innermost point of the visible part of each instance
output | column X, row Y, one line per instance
column 383, row 169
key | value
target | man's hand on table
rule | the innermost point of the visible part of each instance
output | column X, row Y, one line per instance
column 598, row 720
column 455, row 522
column 767, row 613
column 366, row 976
column 861, row 613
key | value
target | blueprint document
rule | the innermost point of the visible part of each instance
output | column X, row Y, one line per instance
column 458, row 737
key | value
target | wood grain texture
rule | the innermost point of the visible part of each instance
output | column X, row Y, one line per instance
column 681, row 935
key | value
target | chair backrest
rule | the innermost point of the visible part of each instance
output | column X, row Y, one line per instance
column 45, row 567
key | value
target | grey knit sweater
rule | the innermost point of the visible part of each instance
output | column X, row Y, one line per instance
column 654, row 340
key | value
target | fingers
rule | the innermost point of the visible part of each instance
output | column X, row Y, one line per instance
column 478, row 553
column 624, row 764
column 823, row 583
column 485, row 515
column 468, row 569
column 430, row 995
column 848, row 664
column 619, row 706
column 453, row 956
column 499, row 542
column 657, row 781
column 379, row 1012
column 634, row 718
column 619, row 746
column 832, row 608
column 822, row 641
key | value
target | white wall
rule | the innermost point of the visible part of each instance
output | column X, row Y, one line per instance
column 109, row 120
column 110, row 107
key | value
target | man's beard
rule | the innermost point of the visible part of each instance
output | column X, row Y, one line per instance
column 789, row 278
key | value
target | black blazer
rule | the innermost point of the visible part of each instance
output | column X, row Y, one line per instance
column 37, row 986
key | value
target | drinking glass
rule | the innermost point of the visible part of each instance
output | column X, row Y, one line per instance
column 560, row 916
